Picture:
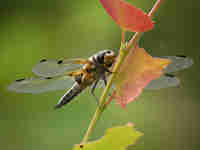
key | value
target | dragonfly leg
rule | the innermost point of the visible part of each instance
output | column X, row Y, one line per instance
column 107, row 70
column 93, row 89
column 105, row 83
column 104, row 80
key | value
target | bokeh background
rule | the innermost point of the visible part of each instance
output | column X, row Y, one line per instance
column 34, row 29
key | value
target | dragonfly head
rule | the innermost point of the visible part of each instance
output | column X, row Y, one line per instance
column 106, row 57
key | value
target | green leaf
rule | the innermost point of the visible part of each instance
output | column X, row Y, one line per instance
column 117, row 138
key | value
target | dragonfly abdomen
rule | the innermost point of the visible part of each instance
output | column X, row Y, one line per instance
column 70, row 94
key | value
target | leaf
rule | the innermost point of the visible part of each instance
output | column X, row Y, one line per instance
column 127, row 16
column 136, row 72
column 117, row 138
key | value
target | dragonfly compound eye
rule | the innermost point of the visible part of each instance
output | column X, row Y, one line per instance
column 109, row 52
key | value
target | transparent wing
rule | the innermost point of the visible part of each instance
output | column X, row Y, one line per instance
column 39, row 85
column 178, row 63
column 164, row 81
column 52, row 68
column 167, row 80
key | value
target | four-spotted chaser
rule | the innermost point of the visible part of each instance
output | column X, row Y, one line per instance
column 78, row 74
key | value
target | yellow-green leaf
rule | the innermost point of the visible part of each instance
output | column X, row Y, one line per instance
column 116, row 138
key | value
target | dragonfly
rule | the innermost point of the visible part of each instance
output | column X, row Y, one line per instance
column 78, row 74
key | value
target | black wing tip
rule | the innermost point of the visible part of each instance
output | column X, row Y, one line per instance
column 48, row 78
column 170, row 75
column 42, row 60
column 183, row 56
column 19, row 80
column 60, row 62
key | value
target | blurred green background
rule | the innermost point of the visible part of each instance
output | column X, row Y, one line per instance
column 34, row 29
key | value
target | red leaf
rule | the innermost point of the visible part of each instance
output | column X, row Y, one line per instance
column 127, row 16
column 137, row 71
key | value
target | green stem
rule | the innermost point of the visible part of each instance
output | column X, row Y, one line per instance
column 122, row 54
column 100, row 108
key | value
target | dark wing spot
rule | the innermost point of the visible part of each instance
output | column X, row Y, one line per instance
column 48, row 78
column 43, row 60
column 183, row 56
column 18, row 80
column 169, row 75
column 60, row 62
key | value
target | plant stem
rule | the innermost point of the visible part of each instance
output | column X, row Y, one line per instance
column 155, row 7
column 100, row 108
column 122, row 55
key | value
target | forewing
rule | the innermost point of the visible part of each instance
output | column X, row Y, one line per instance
column 178, row 63
column 52, row 68
column 39, row 85
column 164, row 81
column 167, row 80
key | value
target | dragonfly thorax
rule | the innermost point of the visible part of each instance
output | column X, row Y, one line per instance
column 100, row 64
